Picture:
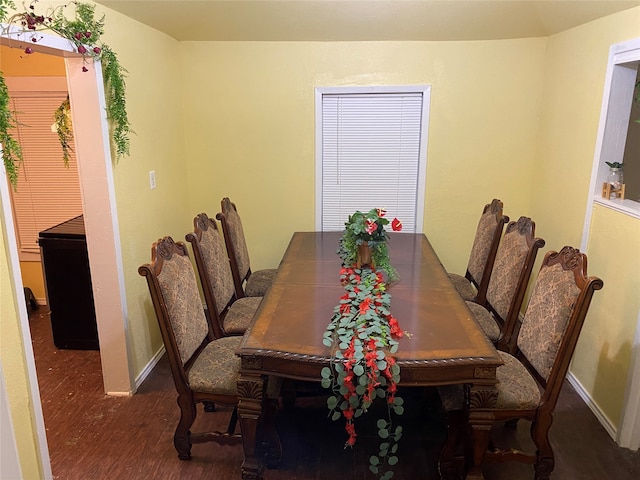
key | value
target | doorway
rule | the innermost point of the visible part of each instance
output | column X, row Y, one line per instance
column 103, row 239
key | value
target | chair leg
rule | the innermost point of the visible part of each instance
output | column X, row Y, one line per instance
column 181, row 437
column 545, row 460
column 452, row 461
column 270, row 440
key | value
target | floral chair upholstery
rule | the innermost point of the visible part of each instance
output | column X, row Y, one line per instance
column 230, row 315
column 530, row 380
column 204, row 369
column 472, row 286
column 512, row 268
column 247, row 283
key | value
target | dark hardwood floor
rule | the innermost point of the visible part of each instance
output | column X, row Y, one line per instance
column 93, row 436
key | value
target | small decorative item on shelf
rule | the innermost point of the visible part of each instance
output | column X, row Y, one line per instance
column 363, row 336
column 614, row 186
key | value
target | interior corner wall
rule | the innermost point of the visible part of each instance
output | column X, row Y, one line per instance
column 575, row 69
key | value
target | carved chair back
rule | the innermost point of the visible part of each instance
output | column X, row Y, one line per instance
column 236, row 243
column 485, row 246
column 214, row 269
column 510, row 276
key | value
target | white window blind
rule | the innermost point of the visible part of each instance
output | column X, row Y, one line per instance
column 47, row 193
column 371, row 145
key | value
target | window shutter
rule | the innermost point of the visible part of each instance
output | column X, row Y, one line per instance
column 48, row 192
column 370, row 156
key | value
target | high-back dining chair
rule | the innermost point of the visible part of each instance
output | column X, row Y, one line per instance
column 247, row 283
column 204, row 369
column 508, row 283
column 529, row 382
column 229, row 314
column 472, row 286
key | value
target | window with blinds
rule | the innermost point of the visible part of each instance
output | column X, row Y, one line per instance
column 48, row 192
column 372, row 154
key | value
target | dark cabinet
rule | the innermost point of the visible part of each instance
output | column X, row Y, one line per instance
column 65, row 263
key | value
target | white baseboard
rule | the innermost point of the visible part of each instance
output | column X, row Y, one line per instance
column 149, row 367
column 602, row 418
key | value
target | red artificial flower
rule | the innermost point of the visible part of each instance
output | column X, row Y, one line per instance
column 371, row 227
column 364, row 306
column 381, row 212
column 396, row 331
column 396, row 225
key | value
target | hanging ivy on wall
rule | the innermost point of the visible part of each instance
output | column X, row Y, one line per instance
column 84, row 32
column 62, row 118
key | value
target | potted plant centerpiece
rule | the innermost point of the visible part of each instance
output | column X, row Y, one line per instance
column 363, row 336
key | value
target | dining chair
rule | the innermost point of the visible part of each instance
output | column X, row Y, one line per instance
column 204, row 369
column 530, row 380
column 229, row 314
column 516, row 254
column 472, row 286
column 247, row 283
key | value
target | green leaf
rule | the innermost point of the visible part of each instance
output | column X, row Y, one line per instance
column 336, row 416
column 332, row 402
column 383, row 433
column 398, row 409
column 373, row 460
column 381, row 423
column 358, row 370
column 325, row 372
column 325, row 382
column 373, row 469
column 392, row 460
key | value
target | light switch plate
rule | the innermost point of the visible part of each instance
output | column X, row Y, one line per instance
column 152, row 179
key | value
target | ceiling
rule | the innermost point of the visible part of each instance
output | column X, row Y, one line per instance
column 364, row 20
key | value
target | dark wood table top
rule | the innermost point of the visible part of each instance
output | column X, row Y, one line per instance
column 446, row 345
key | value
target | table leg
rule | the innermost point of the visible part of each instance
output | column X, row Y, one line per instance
column 480, row 422
column 251, row 394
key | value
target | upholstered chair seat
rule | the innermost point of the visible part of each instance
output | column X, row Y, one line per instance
column 240, row 315
column 472, row 285
column 486, row 321
column 218, row 357
column 259, row 282
column 464, row 287
column 517, row 389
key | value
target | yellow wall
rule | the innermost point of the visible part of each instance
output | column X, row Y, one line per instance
column 575, row 69
column 250, row 129
column 14, row 368
column 603, row 353
column 156, row 114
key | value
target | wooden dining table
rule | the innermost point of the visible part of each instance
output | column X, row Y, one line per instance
column 445, row 346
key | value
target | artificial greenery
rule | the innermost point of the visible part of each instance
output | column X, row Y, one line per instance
column 368, row 228
column 363, row 336
column 615, row 164
column 11, row 151
column 84, row 32
column 62, row 117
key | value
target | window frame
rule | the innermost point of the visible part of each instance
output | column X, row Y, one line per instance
column 424, row 90
column 622, row 68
